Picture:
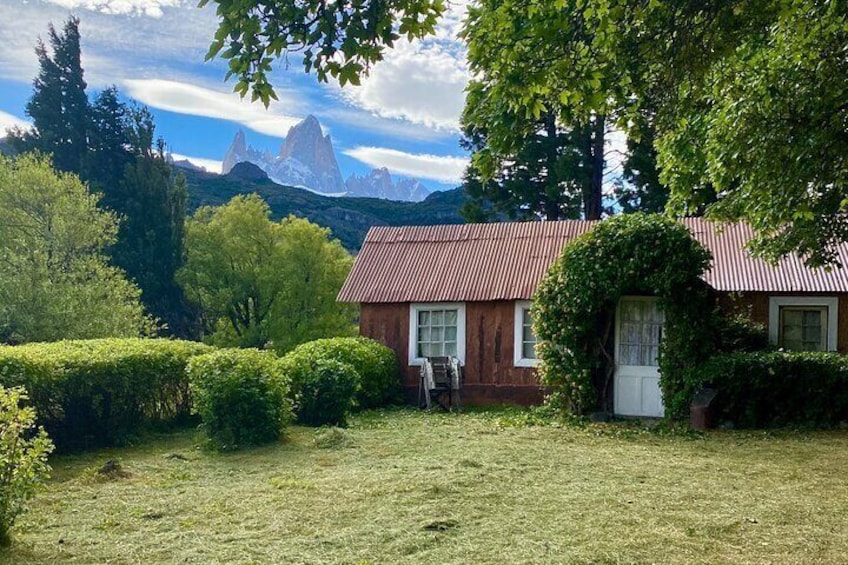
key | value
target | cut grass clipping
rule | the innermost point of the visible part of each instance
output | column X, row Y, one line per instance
column 406, row 487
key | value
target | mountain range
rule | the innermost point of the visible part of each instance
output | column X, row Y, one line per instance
column 307, row 159
column 347, row 217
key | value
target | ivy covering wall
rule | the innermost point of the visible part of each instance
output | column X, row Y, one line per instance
column 574, row 309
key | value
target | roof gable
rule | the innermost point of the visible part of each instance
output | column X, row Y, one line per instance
column 506, row 261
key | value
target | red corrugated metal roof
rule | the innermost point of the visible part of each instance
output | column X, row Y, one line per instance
column 734, row 270
column 506, row 261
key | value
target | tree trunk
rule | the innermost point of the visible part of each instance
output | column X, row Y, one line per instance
column 552, row 208
column 592, row 193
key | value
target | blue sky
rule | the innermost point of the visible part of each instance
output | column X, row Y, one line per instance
column 404, row 116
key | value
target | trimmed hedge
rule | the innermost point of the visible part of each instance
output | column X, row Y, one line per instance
column 241, row 396
column 769, row 389
column 101, row 392
column 324, row 391
column 376, row 365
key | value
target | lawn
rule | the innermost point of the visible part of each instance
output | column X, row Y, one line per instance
column 409, row 487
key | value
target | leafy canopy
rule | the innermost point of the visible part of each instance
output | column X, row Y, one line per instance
column 339, row 39
column 746, row 97
column 55, row 278
column 260, row 283
column 749, row 99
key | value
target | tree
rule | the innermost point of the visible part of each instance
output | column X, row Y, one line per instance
column 526, row 168
column 150, row 243
column 149, row 198
column 313, row 269
column 639, row 189
column 337, row 39
column 529, row 163
column 59, row 105
column 773, row 123
column 259, row 283
column 109, row 148
column 749, row 100
column 55, row 280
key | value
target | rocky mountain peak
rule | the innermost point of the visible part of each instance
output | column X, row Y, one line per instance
column 238, row 141
column 308, row 146
column 236, row 152
column 378, row 183
column 307, row 159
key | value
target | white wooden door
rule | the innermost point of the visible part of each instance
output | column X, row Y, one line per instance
column 636, row 388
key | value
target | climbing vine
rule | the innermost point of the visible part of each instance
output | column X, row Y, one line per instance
column 574, row 308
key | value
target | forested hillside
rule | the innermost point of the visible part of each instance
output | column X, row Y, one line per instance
column 348, row 218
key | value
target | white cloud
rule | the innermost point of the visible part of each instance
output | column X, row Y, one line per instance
column 363, row 120
column 185, row 98
column 151, row 8
column 8, row 121
column 440, row 168
column 422, row 81
column 211, row 165
column 113, row 46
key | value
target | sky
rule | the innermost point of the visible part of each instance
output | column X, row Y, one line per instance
column 404, row 116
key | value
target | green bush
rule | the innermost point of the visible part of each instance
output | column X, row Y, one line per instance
column 766, row 389
column 740, row 334
column 323, row 390
column 23, row 457
column 102, row 392
column 241, row 396
column 376, row 365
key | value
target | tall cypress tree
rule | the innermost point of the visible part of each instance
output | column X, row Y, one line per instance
column 151, row 198
column 59, row 106
column 108, row 141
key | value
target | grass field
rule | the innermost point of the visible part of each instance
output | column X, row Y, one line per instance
column 408, row 487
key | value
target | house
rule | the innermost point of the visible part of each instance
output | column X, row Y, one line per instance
column 465, row 291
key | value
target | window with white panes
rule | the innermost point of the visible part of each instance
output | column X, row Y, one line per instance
column 803, row 323
column 640, row 334
column 525, row 339
column 437, row 332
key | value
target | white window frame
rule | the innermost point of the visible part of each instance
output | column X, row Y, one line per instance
column 518, row 336
column 415, row 308
column 829, row 302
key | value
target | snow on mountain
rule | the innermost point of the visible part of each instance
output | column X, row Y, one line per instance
column 379, row 184
column 307, row 158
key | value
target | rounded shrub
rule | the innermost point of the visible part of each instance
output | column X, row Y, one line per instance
column 241, row 396
column 376, row 365
column 323, row 391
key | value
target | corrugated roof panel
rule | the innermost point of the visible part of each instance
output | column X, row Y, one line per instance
column 734, row 270
column 506, row 261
